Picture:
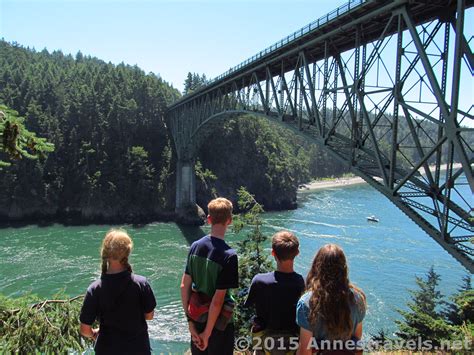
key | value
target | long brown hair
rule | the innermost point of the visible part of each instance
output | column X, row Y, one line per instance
column 331, row 292
column 116, row 245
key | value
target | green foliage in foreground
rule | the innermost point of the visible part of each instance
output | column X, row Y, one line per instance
column 431, row 317
column 252, row 258
column 16, row 141
column 29, row 325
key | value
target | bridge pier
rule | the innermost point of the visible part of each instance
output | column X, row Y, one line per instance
column 185, row 185
column 186, row 209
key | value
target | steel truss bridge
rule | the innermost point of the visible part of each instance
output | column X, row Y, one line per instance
column 382, row 86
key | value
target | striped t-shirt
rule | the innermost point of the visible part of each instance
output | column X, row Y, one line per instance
column 212, row 265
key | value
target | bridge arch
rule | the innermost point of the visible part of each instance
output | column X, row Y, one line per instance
column 185, row 173
column 200, row 133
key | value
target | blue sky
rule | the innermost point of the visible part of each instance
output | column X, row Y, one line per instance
column 172, row 37
column 167, row 37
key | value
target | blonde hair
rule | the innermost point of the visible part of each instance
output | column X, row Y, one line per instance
column 220, row 210
column 117, row 245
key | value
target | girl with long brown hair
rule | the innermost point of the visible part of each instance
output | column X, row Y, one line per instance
column 332, row 309
column 120, row 300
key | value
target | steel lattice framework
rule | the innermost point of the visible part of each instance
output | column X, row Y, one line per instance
column 378, row 84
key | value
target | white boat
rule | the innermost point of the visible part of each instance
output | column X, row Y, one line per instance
column 372, row 219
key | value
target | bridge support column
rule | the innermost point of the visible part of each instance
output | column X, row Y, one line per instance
column 185, row 185
column 186, row 209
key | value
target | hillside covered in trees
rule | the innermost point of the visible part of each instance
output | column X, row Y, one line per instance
column 113, row 158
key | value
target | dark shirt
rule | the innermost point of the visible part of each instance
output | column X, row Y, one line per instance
column 119, row 302
column 212, row 265
column 275, row 295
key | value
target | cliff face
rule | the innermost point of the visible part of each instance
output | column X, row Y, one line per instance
column 97, row 212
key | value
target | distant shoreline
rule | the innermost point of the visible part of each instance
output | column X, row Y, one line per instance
column 331, row 183
column 348, row 181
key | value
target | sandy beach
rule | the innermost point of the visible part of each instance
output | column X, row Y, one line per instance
column 348, row 181
column 331, row 183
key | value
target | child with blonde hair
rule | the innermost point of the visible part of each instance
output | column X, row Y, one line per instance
column 120, row 300
column 211, row 271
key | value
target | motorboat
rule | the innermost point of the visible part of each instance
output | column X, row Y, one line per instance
column 372, row 219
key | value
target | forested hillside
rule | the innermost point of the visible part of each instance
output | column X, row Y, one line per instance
column 113, row 159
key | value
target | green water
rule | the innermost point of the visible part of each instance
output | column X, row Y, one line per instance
column 45, row 260
column 383, row 257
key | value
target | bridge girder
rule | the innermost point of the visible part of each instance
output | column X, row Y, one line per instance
column 387, row 106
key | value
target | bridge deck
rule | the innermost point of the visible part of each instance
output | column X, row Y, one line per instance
column 371, row 16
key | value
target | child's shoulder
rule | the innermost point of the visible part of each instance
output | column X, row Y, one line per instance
column 139, row 279
column 202, row 240
column 94, row 285
column 305, row 297
column 300, row 278
column 264, row 277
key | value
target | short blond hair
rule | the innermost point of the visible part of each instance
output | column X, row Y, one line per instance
column 220, row 210
column 285, row 245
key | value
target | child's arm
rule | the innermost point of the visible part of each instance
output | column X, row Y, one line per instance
column 89, row 312
column 304, row 345
column 214, row 311
column 186, row 283
column 88, row 332
column 149, row 316
column 148, row 300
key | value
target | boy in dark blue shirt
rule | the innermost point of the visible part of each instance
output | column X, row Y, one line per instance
column 275, row 295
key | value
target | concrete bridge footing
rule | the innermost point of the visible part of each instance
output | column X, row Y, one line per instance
column 188, row 212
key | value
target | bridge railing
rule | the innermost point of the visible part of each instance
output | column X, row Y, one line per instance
column 341, row 10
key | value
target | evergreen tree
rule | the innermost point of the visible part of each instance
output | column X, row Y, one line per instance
column 252, row 257
column 423, row 319
column 426, row 321
column 16, row 141
column 459, row 309
column 188, row 84
column 194, row 82
column 467, row 284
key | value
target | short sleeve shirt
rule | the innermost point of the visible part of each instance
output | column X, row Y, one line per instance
column 275, row 295
column 119, row 302
column 212, row 265
column 357, row 309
